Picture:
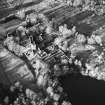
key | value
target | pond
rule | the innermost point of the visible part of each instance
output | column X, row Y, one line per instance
column 83, row 90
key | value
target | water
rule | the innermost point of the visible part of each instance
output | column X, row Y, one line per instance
column 84, row 90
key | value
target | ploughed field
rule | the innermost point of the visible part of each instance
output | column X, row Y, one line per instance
column 86, row 23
